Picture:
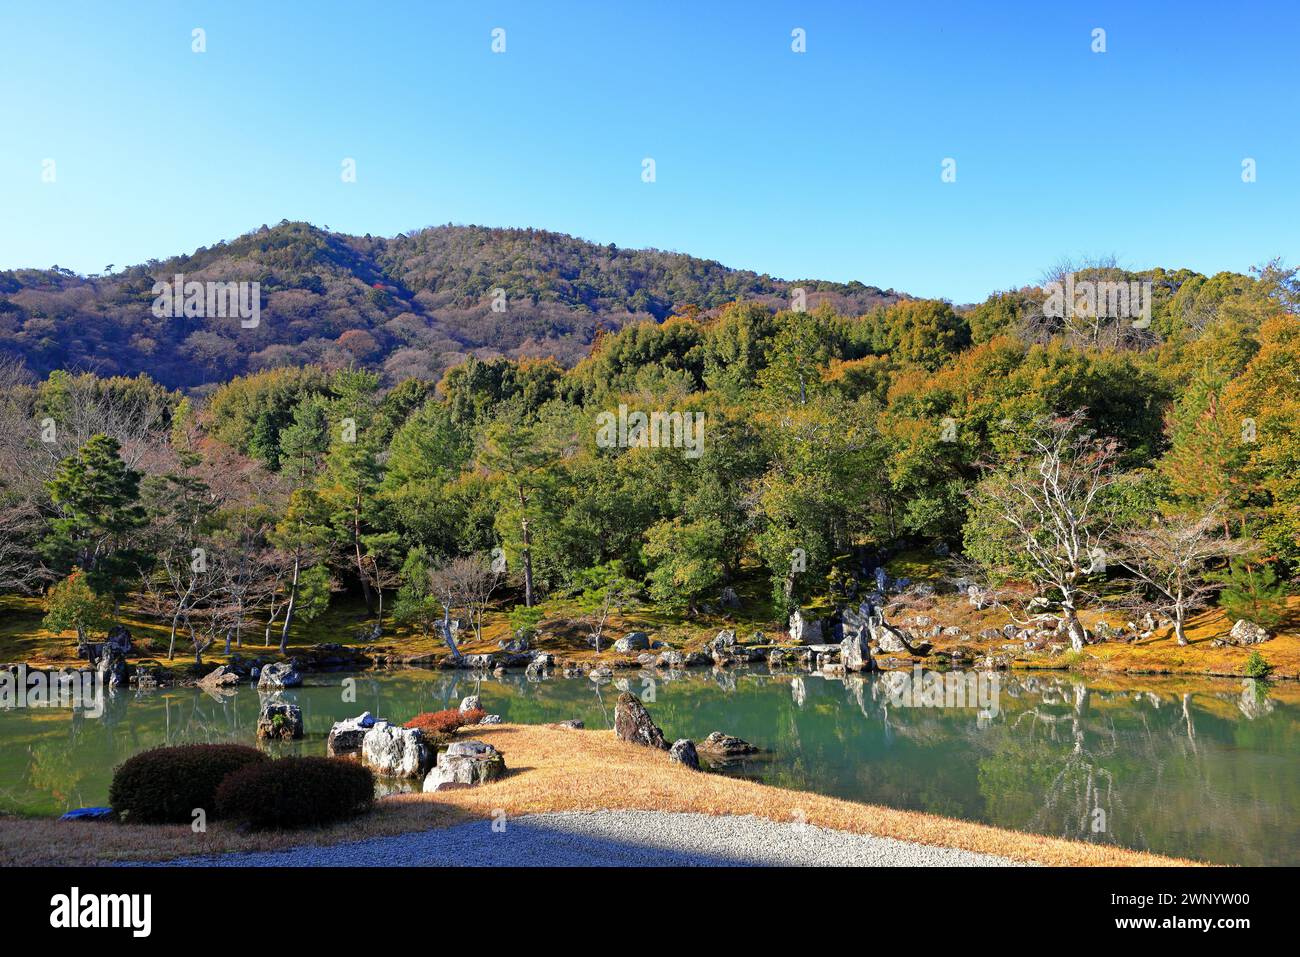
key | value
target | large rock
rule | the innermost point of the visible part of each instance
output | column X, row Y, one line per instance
column 724, row 641
column 722, row 745
column 683, row 752
column 632, row 723
column 279, row 721
column 396, row 752
column 516, row 645
column 346, row 736
column 119, row 639
column 223, row 676
column 1248, row 633
column 470, row 703
column 724, row 650
column 632, row 641
column 854, row 653
column 539, row 665
column 278, row 674
column 888, row 639
column 803, row 630
column 670, row 659
column 466, row 763
column 111, row 667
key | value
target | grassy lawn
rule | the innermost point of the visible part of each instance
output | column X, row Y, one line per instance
column 554, row 769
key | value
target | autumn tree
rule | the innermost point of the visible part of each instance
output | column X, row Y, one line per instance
column 72, row 605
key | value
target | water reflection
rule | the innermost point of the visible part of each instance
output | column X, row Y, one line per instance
column 1200, row 768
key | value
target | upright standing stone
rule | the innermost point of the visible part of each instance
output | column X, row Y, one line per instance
column 632, row 723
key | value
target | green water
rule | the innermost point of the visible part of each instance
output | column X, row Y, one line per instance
column 1201, row 769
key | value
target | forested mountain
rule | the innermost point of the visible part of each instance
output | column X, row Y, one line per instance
column 409, row 306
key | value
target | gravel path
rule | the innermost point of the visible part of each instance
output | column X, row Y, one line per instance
column 616, row 839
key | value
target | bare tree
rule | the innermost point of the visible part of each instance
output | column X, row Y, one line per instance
column 1052, row 511
column 134, row 412
column 1169, row 559
column 466, row 583
column 20, row 569
column 245, row 568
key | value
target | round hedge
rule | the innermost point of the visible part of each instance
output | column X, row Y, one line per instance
column 296, row 792
column 166, row 785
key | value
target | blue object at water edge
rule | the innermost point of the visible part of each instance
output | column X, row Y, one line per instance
column 87, row 814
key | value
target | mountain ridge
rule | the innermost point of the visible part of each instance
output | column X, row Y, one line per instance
column 410, row 304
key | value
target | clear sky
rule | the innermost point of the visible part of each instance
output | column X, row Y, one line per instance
column 825, row 164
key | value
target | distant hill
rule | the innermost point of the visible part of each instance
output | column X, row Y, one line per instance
column 410, row 305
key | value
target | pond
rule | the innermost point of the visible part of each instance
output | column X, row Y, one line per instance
column 1200, row 768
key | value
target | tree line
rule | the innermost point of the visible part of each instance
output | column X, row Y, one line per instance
column 1052, row 461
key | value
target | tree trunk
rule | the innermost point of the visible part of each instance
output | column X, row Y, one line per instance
column 194, row 640
column 366, row 591
column 1074, row 628
column 447, row 636
column 1179, row 629
column 288, row 611
column 527, row 550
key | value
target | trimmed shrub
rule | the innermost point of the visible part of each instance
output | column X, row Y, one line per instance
column 296, row 792
column 1257, row 666
column 165, row 785
column 445, row 722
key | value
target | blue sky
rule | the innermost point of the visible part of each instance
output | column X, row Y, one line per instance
column 824, row 164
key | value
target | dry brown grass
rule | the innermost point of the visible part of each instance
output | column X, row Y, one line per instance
column 1158, row 654
column 558, row 769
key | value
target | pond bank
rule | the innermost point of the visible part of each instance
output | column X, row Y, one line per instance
column 553, row 769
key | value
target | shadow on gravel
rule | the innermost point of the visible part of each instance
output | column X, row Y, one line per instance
column 522, row 843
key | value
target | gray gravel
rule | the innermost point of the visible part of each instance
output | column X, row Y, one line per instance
column 616, row 839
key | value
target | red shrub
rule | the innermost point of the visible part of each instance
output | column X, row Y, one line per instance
column 445, row 722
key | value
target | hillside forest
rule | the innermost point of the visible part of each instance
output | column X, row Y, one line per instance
column 239, row 486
